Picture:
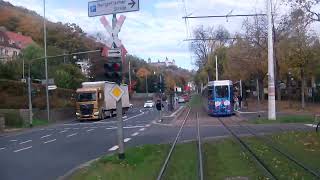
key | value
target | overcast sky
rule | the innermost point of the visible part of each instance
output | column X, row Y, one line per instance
column 157, row 30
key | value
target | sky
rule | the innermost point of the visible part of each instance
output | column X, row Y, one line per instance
column 156, row 31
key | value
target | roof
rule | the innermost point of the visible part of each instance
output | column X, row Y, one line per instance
column 21, row 40
column 220, row 83
column 6, row 40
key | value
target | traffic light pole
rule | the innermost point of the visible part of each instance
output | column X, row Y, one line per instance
column 121, row 154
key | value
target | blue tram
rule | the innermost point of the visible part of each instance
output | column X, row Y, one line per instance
column 220, row 98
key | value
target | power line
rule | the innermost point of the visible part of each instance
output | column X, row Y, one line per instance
column 223, row 16
column 216, row 39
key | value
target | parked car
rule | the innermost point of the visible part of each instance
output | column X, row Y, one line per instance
column 148, row 104
column 181, row 100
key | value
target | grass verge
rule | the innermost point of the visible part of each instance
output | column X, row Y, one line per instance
column 223, row 159
column 286, row 119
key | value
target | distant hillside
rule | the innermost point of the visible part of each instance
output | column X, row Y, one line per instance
column 69, row 37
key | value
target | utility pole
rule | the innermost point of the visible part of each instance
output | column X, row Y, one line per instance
column 29, row 97
column 121, row 154
column 130, row 75
column 147, row 91
column 23, row 69
column 45, row 57
column 217, row 73
column 271, row 84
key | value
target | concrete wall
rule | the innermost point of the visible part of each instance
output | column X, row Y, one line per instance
column 56, row 115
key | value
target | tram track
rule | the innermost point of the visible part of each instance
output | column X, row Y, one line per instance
column 267, row 141
column 189, row 116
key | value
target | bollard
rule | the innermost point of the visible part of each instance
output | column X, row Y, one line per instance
column 2, row 123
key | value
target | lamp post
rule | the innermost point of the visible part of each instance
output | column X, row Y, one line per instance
column 45, row 58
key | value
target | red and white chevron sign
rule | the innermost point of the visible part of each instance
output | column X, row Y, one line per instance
column 113, row 32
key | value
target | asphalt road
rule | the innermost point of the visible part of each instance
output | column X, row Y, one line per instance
column 51, row 152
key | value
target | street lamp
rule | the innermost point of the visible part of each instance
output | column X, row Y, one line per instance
column 45, row 57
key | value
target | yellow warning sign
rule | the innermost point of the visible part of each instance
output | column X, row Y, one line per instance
column 116, row 92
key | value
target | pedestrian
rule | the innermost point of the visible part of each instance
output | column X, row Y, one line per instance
column 236, row 103
column 240, row 101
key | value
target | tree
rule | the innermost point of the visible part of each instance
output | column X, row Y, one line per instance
column 300, row 52
column 68, row 76
column 309, row 7
column 31, row 54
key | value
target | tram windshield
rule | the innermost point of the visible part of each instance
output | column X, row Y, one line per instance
column 221, row 91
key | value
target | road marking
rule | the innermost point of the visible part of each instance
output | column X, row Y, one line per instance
column 311, row 125
column 25, row 142
column 2, row 148
column 50, row 141
column 127, row 139
column 135, row 134
column 13, row 140
column 111, row 128
column 70, row 135
column 63, row 131
column 114, row 148
column 142, row 129
column 22, row 149
column 125, row 117
column 132, row 127
column 48, row 135
column 90, row 130
column 148, row 125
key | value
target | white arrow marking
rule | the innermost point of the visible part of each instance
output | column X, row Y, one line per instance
column 114, row 148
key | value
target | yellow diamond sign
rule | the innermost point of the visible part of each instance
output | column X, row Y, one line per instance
column 116, row 92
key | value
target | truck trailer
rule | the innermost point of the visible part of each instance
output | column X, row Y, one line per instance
column 94, row 101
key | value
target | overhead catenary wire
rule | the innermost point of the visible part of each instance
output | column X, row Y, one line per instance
column 223, row 16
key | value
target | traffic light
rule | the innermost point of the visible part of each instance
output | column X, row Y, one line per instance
column 113, row 70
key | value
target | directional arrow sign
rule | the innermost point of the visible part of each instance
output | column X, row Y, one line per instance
column 105, row 7
column 114, row 53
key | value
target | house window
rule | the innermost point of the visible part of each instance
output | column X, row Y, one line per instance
column 15, row 53
column 1, row 51
column 6, row 52
column 1, row 39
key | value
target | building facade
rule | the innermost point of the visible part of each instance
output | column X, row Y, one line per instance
column 11, row 44
column 164, row 63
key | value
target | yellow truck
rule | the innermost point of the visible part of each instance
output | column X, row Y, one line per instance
column 94, row 101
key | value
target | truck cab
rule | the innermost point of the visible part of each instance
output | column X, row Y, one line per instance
column 88, row 103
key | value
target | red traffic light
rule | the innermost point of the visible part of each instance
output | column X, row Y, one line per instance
column 116, row 66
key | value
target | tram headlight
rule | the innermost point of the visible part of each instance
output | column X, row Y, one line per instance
column 226, row 103
column 217, row 103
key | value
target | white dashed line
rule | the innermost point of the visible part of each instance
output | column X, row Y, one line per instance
column 50, row 141
column 22, row 149
column 25, row 142
column 70, row 135
column 111, row 128
column 2, row 148
column 127, row 139
column 135, row 134
column 132, row 127
column 311, row 125
column 125, row 117
column 63, row 131
column 46, row 136
column 142, row 129
column 148, row 125
column 114, row 148
column 13, row 140
column 90, row 130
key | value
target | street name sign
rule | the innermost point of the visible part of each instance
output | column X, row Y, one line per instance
column 116, row 92
column 105, row 7
column 114, row 53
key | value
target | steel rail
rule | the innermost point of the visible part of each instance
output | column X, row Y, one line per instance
column 165, row 164
column 262, row 165
column 274, row 147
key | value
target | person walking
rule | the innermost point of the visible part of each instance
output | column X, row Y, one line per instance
column 236, row 103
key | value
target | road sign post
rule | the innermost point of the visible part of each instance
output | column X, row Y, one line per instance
column 117, row 50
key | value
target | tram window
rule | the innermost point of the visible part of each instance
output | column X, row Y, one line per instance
column 221, row 91
column 210, row 93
